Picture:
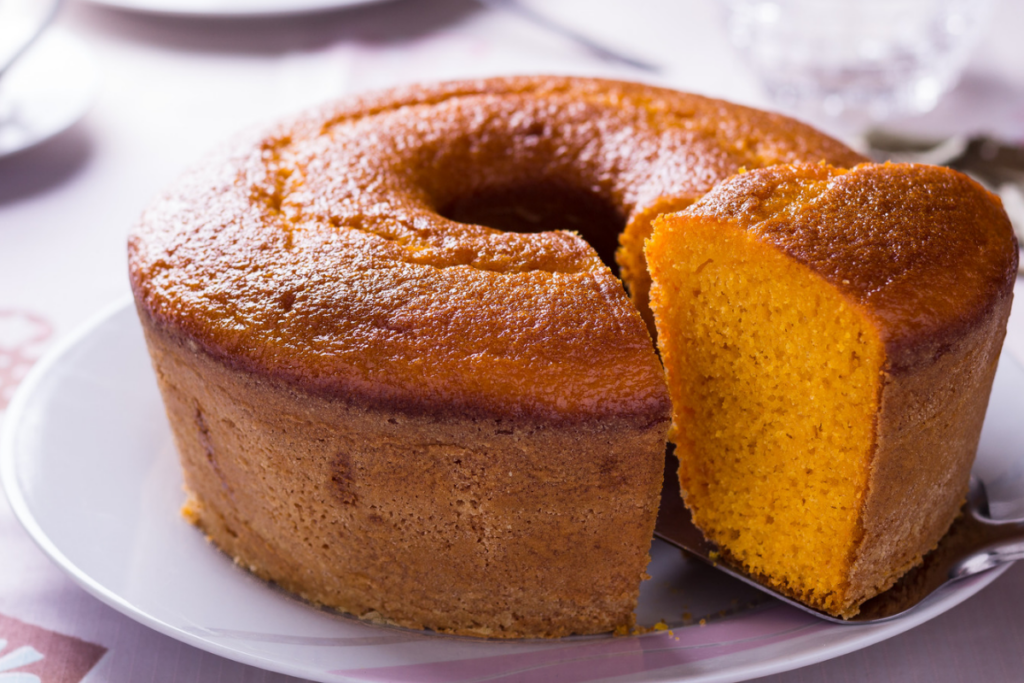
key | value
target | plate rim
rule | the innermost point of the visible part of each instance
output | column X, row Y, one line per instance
column 870, row 634
column 87, row 64
column 19, row 504
column 284, row 9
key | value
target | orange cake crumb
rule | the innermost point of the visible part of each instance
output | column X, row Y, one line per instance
column 816, row 450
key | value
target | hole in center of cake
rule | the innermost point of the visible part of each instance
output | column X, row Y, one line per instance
column 544, row 206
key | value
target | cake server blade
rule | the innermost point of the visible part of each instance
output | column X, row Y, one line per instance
column 973, row 544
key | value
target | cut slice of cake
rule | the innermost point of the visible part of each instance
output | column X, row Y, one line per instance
column 830, row 339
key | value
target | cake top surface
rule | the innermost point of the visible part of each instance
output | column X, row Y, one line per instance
column 317, row 253
column 925, row 250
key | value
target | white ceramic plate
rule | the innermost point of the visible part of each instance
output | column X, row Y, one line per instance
column 47, row 90
column 88, row 464
column 231, row 8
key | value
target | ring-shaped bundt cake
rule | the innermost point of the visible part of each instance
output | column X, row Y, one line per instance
column 401, row 382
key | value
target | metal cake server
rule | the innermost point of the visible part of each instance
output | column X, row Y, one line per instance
column 973, row 544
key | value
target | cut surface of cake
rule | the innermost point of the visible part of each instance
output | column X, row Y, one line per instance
column 830, row 339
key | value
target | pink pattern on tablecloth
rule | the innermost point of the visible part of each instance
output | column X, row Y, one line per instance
column 38, row 654
column 578, row 662
column 23, row 335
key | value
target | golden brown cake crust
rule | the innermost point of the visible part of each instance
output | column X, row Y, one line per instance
column 315, row 253
column 498, row 528
column 928, row 428
column 925, row 250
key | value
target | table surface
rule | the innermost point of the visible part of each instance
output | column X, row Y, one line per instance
column 173, row 88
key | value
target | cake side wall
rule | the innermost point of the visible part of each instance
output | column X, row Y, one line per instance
column 927, row 434
column 492, row 528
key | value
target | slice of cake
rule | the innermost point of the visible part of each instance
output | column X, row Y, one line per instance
column 830, row 339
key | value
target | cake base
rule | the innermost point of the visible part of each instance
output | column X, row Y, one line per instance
column 495, row 528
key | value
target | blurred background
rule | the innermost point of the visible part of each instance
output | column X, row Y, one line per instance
column 146, row 87
column 115, row 98
column 142, row 88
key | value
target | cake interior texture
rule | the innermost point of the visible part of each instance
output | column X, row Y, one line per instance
column 778, row 386
column 830, row 339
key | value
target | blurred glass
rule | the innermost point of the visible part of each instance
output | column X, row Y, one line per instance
column 858, row 60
